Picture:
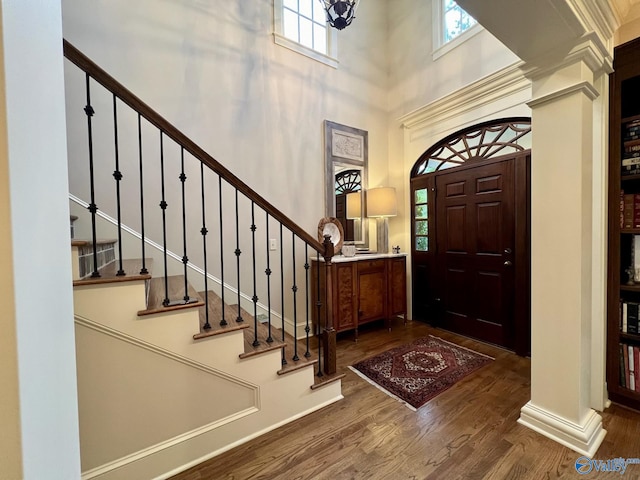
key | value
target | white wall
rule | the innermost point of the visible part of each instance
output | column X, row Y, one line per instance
column 34, row 150
column 215, row 72
column 257, row 107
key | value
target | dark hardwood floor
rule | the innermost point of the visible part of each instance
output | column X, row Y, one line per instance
column 468, row 432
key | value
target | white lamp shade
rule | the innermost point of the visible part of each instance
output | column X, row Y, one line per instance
column 354, row 205
column 381, row 202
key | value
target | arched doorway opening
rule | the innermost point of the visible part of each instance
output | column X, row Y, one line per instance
column 470, row 202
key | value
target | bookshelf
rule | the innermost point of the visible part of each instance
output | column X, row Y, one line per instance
column 623, row 302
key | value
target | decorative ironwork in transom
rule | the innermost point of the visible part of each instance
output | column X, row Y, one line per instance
column 479, row 142
column 348, row 181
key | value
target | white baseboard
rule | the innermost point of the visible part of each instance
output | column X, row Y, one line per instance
column 247, row 438
column 583, row 438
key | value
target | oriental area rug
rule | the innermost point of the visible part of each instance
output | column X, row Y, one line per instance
column 417, row 372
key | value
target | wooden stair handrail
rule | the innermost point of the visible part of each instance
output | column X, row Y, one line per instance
column 98, row 74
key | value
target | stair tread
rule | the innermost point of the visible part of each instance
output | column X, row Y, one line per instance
column 303, row 360
column 326, row 380
column 215, row 317
column 263, row 334
column 231, row 314
column 78, row 242
column 175, row 290
column 109, row 273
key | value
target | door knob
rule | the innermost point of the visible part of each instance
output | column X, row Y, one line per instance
column 507, row 263
column 507, row 250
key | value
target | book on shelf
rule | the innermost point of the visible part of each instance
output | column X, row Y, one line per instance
column 632, row 370
column 636, row 362
column 625, row 364
column 623, row 372
column 630, row 367
column 631, row 210
column 627, row 170
column 635, row 252
column 630, row 147
column 631, row 125
column 621, row 208
column 632, row 318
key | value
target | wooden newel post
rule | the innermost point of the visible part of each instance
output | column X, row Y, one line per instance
column 329, row 332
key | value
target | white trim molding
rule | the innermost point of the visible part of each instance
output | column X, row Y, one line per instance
column 599, row 15
column 232, row 445
column 487, row 90
column 584, row 87
column 584, row 438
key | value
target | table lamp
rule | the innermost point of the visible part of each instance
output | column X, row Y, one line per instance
column 381, row 204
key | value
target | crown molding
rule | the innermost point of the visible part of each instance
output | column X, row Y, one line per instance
column 601, row 17
column 489, row 89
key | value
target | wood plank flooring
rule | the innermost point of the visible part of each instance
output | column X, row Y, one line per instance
column 468, row 432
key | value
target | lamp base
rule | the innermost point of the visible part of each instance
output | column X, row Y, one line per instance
column 382, row 235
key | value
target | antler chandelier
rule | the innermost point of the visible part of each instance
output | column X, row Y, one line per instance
column 340, row 13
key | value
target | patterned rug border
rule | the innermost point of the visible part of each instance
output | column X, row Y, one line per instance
column 401, row 400
column 382, row 389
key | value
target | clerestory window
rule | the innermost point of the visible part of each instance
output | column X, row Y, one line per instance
column 451, row 26
column 301, row 25
column 455, row 20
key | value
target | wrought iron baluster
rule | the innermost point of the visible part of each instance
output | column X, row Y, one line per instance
column 204, row 231
column 143, row 270
column 223, row 322
column 253, row 263
column 185, row 258
column 117, row 175
column 284, row 357
column 307, row 329
column 268, row 274
column 163, row 207
column 93, row 208
column 318, row 321
column 238, row 252
column 294, row 288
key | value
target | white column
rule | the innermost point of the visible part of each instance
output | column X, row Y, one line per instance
column 34, row 219
column 562, row 254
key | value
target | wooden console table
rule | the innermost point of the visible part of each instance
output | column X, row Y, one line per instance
column 364, row 288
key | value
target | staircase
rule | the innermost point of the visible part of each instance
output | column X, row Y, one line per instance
column 159, row 393
column 173, row 364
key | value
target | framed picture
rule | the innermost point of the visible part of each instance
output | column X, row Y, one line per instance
column 345, row 144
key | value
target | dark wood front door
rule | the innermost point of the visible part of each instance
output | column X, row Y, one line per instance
column 475, row 216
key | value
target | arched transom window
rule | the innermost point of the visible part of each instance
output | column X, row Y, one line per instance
column 485, row 140
column 348, row 181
